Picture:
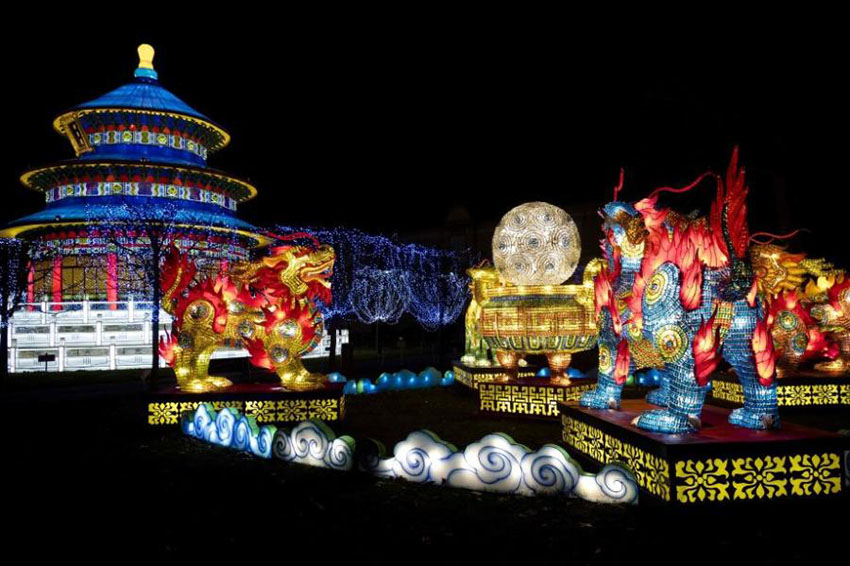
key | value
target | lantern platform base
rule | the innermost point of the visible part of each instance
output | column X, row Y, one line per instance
column 720, row 463
column 801, row 390
column 267, row 402
column 472, row 376
column 535, row 397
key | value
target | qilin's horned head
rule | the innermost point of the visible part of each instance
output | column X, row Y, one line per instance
column 625, row 231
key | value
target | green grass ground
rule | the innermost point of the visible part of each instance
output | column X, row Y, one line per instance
column 87, row 477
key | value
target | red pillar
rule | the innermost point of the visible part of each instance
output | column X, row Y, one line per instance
column 57, row 282
column 31, row 287
column 112, row 280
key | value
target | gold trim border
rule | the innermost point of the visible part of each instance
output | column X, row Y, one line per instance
column 531, row 400
column 474, row 379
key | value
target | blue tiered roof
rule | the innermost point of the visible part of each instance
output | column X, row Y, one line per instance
column 138, row 144
column 72, row 210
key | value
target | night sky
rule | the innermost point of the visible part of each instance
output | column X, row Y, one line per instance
column 389, row 132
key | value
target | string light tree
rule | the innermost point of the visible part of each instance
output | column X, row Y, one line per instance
column 142, row 234
column 139, row 181
column 18, row 280
column 521, row 307
column 377, row 280
column 14, row 259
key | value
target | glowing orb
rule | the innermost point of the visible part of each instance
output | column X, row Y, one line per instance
column 536, row 243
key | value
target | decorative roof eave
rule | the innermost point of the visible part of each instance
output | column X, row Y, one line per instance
column 260, row 240
column 220, row 136
column 250, row 190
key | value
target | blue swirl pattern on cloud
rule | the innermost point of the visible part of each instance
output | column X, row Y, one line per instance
column 310, row 442
column 496, row 463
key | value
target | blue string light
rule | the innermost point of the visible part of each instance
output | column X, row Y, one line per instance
column 378, row 295
column 377, row 279
column 13, row 258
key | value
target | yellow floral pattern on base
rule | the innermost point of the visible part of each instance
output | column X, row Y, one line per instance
column 715, row 479
column 767, row 477
column 789, row 395
column 652, row 473
column 702, row 480
column 815, row 474
column 759, row 478
column 265, row 411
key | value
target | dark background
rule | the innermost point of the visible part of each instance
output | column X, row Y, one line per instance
column 391, row 131
column 394, row 131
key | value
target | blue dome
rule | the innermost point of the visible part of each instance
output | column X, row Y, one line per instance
column 144, row 93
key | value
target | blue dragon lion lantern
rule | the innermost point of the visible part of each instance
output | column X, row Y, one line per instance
column 679, row 294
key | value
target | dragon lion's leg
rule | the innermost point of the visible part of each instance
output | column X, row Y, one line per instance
column 202, row 366
column 293, row 375
column 665, row 321
column 841, row 364
column 191, row 371
column 760, row 404
column 684, row 400
column 182, row 366
column 607, row 393
column 192, row 367
column 660, row 396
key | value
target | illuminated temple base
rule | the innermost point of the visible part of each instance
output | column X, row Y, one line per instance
column 720, row 463
column 268, row 403
column 804, row 389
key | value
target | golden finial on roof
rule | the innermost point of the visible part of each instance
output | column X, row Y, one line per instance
column 146, row 53
column 145, row 69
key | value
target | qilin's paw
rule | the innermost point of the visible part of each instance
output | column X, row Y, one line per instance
column 197, row 386
column 219, row 382
column 665, row 421
column 599, row 400
column 749, row 419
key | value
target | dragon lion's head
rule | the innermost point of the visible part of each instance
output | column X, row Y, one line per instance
column 299, row 271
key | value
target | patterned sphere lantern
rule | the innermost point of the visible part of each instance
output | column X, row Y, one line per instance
column 521, row 305
column 536, row 243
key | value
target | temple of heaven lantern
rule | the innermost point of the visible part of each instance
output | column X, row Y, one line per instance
column 139, row 150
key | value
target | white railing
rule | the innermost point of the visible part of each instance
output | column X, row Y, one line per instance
column 97, row 335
